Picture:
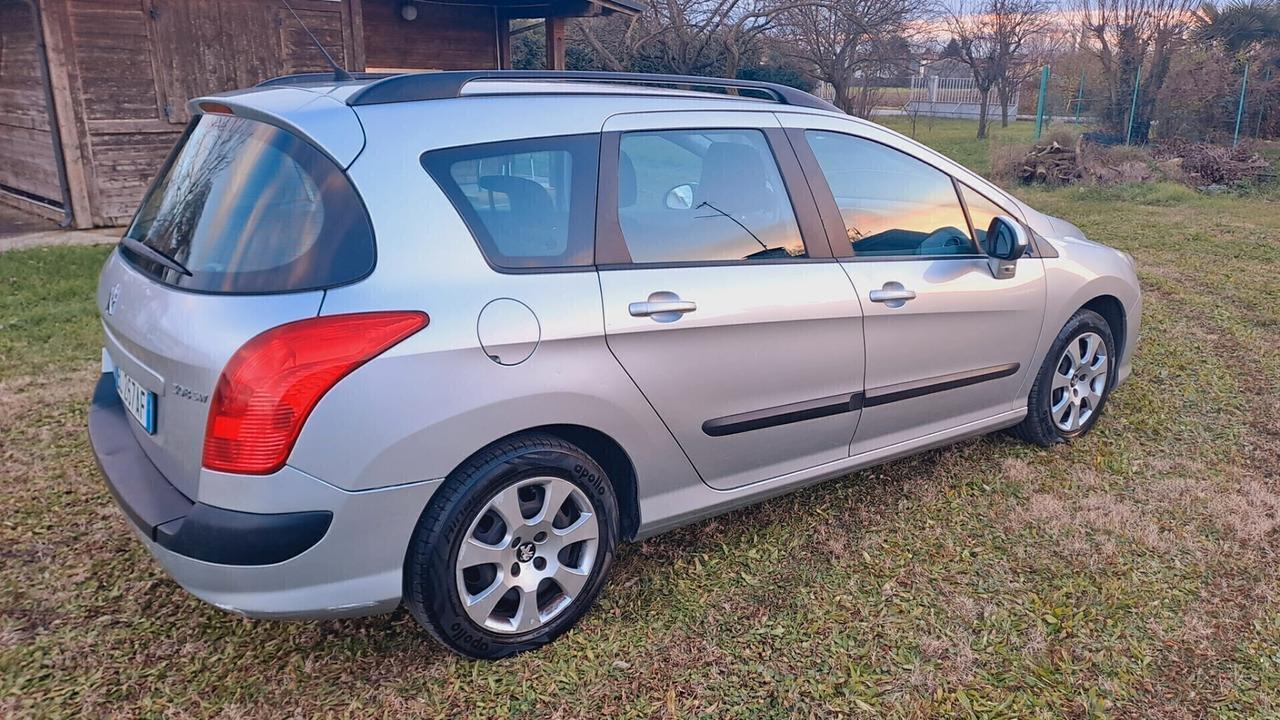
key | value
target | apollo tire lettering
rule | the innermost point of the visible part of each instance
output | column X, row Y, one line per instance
column 589, row 477
column 459, row 633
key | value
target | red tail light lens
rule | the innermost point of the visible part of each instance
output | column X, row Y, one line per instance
column 272, row 383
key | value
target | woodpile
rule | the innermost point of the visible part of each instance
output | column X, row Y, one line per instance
column 1207, row 164
column 1052, row 164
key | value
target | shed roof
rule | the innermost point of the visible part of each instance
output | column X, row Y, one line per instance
column 556, row 8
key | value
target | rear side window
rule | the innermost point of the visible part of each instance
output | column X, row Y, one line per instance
column 247, row 207
column 529, row 203
column 891, row 203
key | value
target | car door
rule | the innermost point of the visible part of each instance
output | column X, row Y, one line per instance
column 721, row 297
column 947, row 342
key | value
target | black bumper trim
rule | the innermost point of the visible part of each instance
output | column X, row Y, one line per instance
column 170, row 519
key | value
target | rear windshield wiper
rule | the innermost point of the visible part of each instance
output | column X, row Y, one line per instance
column 154, row 255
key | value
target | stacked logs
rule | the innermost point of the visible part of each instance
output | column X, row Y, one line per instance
column 1051, row 164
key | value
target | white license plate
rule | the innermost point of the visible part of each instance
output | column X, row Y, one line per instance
column 139, row 401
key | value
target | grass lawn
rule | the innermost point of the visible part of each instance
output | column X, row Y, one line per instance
column 1131, row 574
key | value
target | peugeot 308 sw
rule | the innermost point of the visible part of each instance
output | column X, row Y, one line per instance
column 445, row 339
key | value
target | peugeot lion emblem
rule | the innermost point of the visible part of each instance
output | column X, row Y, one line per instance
column 113, row 298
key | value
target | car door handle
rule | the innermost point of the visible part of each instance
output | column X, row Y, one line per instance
column 892, row 294
column 662, row 306
column 884, row 296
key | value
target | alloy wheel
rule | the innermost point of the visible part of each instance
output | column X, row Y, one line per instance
column 1079, row 382
column 527, row 554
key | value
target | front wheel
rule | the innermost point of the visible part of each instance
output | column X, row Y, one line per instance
column 1073, row 384
column 513, row 548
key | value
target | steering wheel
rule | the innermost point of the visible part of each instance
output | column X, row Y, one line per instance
column 943, row 241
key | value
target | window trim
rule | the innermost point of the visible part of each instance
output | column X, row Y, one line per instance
column 480, row 234
column 834, row 221
column 612, row 252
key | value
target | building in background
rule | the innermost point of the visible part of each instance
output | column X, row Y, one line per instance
column 93, row 92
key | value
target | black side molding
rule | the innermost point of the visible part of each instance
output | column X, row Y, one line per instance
column 927, row 386
column 837, row 404
column 782, row 415
column 170, row 519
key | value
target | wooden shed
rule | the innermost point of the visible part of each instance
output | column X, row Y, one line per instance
column 93, row 92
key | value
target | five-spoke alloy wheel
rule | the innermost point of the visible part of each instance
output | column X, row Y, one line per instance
column 513, row 547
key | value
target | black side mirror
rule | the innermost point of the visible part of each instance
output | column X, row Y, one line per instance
column 1006, row 241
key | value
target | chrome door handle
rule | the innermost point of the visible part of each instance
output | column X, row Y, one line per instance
column 662, row 306
column 893, row 295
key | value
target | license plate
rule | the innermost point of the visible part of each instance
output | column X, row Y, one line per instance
column 139, row 401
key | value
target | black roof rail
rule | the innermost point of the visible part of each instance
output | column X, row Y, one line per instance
column 449, row 84
column 319, row 78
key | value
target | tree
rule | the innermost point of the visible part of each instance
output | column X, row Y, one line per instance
column 1238, row 25
column 1128, row 35
column 686, row 37
column 993, row 37
column 844, row 41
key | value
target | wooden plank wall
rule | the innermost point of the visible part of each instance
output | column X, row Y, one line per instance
column 443, row 37
column 27, row 162
column 133, row 64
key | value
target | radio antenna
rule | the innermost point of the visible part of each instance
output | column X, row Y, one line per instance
column 339, row 74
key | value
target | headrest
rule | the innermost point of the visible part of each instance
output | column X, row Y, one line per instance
column 733, row 179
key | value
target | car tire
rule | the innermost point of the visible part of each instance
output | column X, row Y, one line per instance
column 1084, row 390
column 536, row 569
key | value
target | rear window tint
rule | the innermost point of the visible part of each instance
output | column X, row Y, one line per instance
column 529, row 203
column 248, row 207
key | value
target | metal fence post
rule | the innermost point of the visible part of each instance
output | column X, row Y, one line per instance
column 1080, row 98
column 1044, row 86
column 1244, row 83
column 1262, row 111
column 1133, row 104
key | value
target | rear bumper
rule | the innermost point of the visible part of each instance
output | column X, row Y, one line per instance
column 169, row 519
column 285, row 545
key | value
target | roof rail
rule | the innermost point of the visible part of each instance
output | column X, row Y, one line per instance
column 319, row 78
column 442, row 85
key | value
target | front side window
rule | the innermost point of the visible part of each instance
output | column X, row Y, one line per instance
column 981, row 211
column 529, row 203
column 891, row 203
column 247, row 207
column 703, row 196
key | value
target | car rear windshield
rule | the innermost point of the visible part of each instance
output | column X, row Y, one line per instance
column 246, row 207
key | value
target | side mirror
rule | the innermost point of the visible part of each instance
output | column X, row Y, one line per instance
column 680, row 197
column 1006, row 241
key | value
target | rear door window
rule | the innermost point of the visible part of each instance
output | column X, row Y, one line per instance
column 704, row 196
column 529, row 203
column 247, row 207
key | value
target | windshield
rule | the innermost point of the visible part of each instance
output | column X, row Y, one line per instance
column 246, row 207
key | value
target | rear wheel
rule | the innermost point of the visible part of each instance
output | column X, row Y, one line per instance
column 1073, row 384
column 513, row 548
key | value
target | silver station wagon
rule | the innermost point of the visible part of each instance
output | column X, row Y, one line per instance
column 443, row 340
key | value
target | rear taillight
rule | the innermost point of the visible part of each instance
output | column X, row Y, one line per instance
column 272, row 383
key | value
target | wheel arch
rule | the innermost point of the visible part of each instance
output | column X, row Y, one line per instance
column 1111, row 310
column 603, row 449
